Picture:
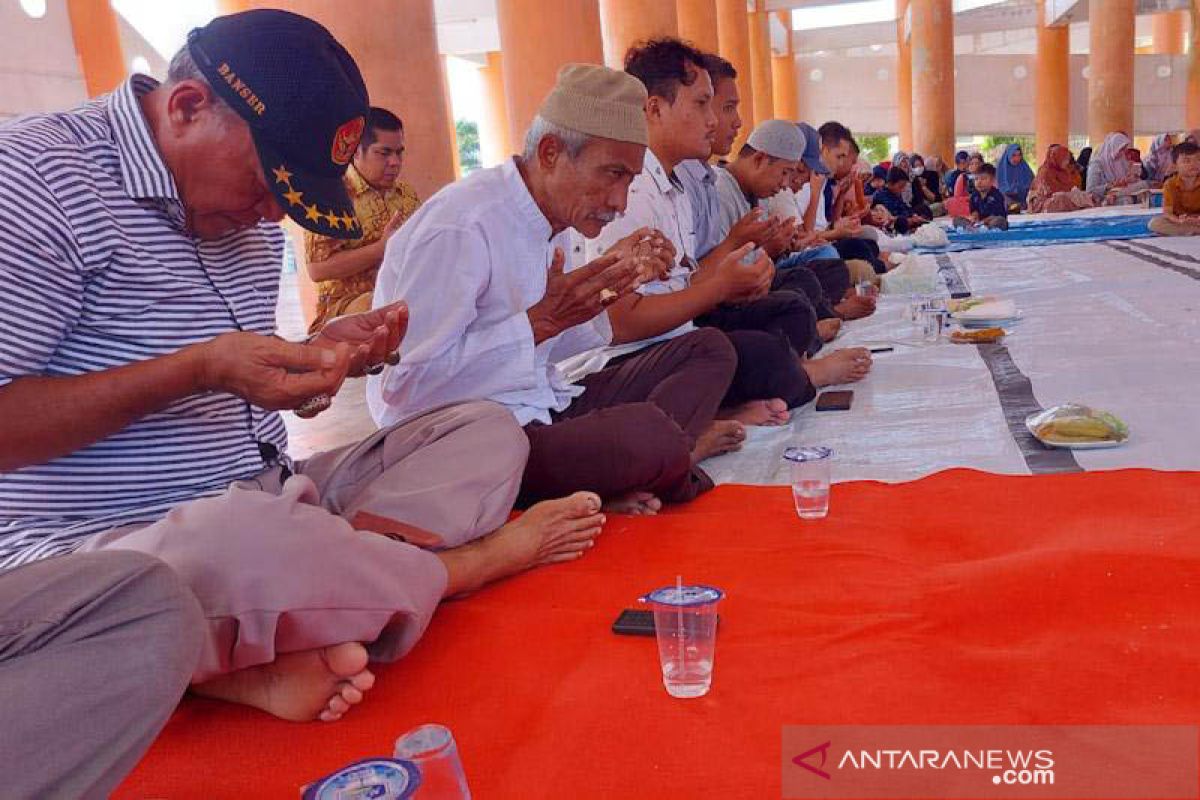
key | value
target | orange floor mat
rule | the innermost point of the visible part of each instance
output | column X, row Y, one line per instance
column 960, row 598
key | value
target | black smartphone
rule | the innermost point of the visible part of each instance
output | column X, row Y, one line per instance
column 638, row 622
column 634, row 622
column 835, row 401
column 881, row 350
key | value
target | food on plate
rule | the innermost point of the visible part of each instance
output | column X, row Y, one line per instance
column 981, row 336
column 1077, row 429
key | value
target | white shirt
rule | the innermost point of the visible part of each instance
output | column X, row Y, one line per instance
column 785, row 204
column 470, row 263
column 655, row 201
column 803, row 198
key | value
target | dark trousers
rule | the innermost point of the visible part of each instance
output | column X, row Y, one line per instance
column 635, row 426
column 803, row 280
column 832, row 274
column 767, row 368
column 784, row 313
column 863, row 250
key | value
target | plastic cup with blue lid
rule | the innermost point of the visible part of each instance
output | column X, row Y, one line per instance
column 685, row 624
column 812, row 471
column 377, row 778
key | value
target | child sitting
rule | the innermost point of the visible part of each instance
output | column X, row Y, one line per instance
column 988, row 205
column 891, row 197
column 1181, row 195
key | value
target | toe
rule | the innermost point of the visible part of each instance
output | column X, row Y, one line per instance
column 363, row 681
column 351, row 695
column 337, row 705
column 329, row 716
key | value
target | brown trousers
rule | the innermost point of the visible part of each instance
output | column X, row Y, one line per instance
column 634, row 427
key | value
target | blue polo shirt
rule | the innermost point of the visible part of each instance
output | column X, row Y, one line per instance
column 992, row 204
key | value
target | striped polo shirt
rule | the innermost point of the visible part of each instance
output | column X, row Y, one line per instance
column 98, row 271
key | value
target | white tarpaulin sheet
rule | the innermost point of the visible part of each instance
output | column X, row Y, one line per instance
column 1112, row 325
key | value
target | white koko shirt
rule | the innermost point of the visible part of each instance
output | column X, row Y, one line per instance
column 470, row 263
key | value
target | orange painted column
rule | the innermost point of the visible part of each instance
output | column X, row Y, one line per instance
column 760, row 63
column 698, row 23
column 904, row 89
column 1052, row 100
column 783, row 76
column 1110, row 87
column 537, row 38
column 626, row 22
column 1193, row 84
column 452, row 132
column 932, row 50
column 495, row 139
column 733, row 34
column 98, row 44
column 1170, row 31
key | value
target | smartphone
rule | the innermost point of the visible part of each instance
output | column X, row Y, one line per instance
column 885, row 349
column 634, row 622
column 835, row 401
column 637, row 622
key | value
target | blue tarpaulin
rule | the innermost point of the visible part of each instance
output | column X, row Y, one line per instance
column 1045, row 232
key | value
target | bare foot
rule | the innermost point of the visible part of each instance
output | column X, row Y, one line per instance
column 547, row 533
column 828, row 329
column 314, row 684
column 844, row 366
column 722, row 436
column 855, row 307
column 759, row 412
column 639, row 504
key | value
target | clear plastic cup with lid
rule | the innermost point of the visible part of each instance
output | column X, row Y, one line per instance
column 685, row 624
column 811, row 469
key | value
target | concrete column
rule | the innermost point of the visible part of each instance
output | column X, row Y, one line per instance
column 760, row 63
column 933, row 78
column 1053, row 93
column 783, row 76
column 1193, row 84
column 904, row 89
column 395, row 46
column 733, row 33
column 537, row 38
column 495, row 139
column 98, row 44
column 625, row 22
column 1110, row 88
column 698, row 23
column 1170, row 31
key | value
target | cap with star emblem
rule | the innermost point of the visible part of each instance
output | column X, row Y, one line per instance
column 305, row 102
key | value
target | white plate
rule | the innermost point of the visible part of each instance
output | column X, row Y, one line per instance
column 1070, row 445
column 987, row 323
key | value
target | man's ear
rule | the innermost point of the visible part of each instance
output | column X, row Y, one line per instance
column 187, row 100
column 549, row 151
column 654, row 108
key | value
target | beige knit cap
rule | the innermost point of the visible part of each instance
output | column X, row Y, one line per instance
column 598, row 101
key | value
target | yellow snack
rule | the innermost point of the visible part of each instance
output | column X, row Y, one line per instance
column 1077, row 429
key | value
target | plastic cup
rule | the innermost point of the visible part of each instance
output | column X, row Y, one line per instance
column 865, row 289
column 811, row 473
column 685, row 624
column 432, row 748
column 932, row 322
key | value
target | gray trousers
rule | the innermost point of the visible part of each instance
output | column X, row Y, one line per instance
column 95, row 651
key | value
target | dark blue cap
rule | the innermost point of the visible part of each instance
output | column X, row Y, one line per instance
column 812, row 149
column 305, row 102
column 879, row 172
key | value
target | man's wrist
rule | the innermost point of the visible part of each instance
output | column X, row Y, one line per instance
column 542, row 326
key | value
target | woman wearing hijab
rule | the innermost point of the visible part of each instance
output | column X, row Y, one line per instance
column 901, row 160
column 1109, row 167
column 927, row 186
column 1056, row 185
column 1158, row 164
column 1082, row 163
column 1013, row 176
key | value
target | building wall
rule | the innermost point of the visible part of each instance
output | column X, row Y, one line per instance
column 993, row 93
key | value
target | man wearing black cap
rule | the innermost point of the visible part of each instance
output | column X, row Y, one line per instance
column 138, row 373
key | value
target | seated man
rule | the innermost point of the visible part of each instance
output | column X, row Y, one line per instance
column 345, row 269
column 844, row 231
column 772, row 374
column 494, row 310
column 138, row 371
column 1181, row 195
column 761, row 169
column 714, row 243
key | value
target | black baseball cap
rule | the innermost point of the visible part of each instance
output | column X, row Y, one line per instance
column 305, row 102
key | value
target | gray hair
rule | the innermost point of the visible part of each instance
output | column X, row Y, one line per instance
column 572, row 141
column 184, row 68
